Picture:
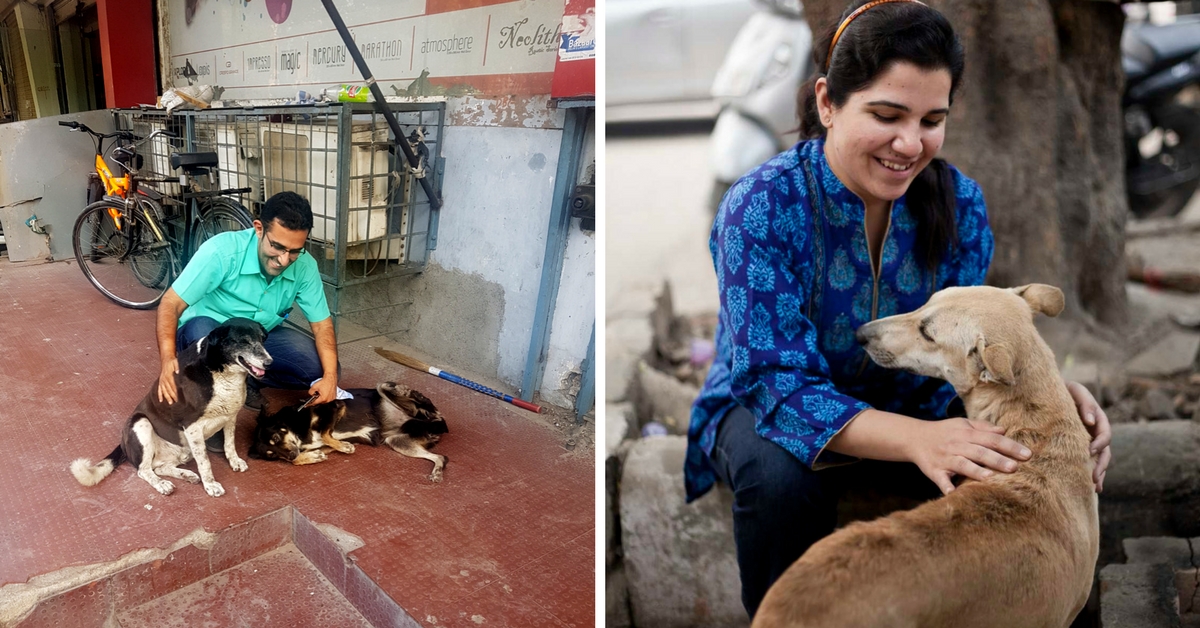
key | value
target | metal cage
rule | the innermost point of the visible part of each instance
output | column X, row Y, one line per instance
column 371, row 219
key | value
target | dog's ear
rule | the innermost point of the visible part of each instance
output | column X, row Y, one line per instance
column 397, row 396
column 1042, row 298
column 995, row 363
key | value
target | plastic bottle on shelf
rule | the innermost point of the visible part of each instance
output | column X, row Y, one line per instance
column 348, row 93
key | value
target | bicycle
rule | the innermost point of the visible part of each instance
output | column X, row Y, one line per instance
column 124, row 243
column 215, row 212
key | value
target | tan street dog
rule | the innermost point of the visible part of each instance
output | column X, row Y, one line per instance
column 1012, row 551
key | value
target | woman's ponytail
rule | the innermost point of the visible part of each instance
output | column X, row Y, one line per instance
column 931, row 201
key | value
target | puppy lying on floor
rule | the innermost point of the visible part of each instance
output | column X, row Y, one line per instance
column 391, row 413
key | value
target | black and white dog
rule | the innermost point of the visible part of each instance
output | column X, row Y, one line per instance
column 210, row 388
column 390, row 413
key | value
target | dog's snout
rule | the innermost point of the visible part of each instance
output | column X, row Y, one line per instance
column 863, row 335
column 267, row 359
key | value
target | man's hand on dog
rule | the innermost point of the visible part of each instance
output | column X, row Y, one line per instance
column 974, row 449
column 325, row 389
column 1097, row 425
column 166, row 380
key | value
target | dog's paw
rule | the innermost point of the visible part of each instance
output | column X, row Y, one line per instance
column 238, row 464
column 189, row 476
column 436, row 476
column 347, row 448
column 165, row 487
column 319, row 455
column 214, row 489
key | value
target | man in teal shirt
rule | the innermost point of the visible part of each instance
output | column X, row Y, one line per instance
column 256, row 273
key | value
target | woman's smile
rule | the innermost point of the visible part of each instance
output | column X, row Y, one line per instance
column 897, row 170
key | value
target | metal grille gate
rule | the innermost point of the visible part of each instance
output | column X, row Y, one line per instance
column 371, row 219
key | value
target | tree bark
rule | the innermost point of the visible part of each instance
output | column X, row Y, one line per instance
column 1037, row 122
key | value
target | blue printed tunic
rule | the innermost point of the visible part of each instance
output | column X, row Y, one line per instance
column 795, row 284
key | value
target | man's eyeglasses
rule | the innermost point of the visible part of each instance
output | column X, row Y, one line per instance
column 282, row 250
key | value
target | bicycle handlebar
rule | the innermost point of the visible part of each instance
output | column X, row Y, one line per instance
column 75, row 126
column 162, row 132
column 128, row 135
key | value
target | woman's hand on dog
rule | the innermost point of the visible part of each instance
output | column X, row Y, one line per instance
column 1098, row 426
column 973, row 449
column 166, row 380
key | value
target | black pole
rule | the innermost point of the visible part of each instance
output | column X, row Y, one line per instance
column 380, row 103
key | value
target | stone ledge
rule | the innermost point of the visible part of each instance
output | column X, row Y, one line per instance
column 1138, row 596
column 679, row 558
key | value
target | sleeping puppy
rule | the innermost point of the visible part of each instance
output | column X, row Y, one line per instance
column 297, row 434
column 211, row 386
column 391, row 413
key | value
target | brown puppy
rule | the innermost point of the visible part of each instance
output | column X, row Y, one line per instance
column 298, row 434
column 1013, row 551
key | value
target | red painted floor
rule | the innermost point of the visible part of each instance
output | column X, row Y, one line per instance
column 279, row 588
column 507, row 539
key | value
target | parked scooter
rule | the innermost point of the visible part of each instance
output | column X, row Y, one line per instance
column 770, row 57
column 1162, row 115
column 756, row 86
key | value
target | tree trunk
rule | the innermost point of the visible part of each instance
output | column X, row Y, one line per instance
column 1037, row 122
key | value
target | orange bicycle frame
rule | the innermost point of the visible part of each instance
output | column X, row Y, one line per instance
column 113, row 185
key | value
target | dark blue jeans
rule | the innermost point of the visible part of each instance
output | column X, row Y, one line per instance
column 294, row 360
column 781, row 507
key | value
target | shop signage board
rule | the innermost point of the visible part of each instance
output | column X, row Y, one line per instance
column 276, row 48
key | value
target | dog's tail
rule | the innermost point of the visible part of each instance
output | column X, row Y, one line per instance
column 90, row 474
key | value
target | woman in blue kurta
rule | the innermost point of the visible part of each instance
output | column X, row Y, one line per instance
column 859, row 222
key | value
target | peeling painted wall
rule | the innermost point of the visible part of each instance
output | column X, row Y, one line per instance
column 529, row 112
column 575, row 311
column 46, row 164
column 574, row 316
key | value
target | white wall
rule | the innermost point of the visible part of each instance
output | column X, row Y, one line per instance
column 498, row 191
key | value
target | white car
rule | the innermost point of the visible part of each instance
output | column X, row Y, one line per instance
column 661, row 56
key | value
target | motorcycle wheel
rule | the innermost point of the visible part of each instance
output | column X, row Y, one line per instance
column 1148, row 180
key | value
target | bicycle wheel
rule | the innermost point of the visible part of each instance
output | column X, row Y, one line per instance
column 219, row 215
column 123, row 255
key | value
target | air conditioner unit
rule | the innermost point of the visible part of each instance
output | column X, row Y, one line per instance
column 239, row 155
column 303, row 159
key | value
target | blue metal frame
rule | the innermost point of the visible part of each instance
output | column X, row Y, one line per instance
column 574, row 132
column 587, row 387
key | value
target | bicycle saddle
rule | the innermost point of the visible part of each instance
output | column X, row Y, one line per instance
column 191, row 162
